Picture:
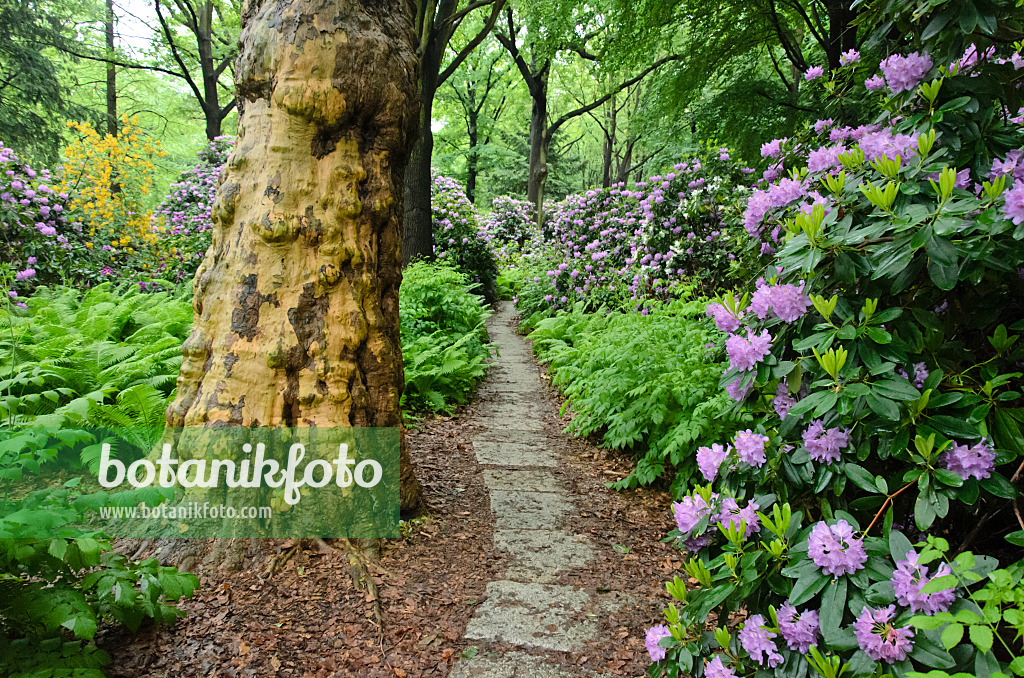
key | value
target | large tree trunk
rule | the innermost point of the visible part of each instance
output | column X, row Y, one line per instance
column 296, row 302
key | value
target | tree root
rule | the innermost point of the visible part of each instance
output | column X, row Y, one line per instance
column 362, row 557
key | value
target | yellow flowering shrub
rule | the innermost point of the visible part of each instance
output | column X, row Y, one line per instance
column 107, row 180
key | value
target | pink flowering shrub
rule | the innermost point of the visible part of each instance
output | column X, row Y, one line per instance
column 511, row 226
column 183, row 218
column 880, row 356
column 33, row 224
column 459, row 238
column 618, row 246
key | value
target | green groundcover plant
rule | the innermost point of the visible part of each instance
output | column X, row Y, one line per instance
column 647, row 383
column 857, row 527
column 444, row 341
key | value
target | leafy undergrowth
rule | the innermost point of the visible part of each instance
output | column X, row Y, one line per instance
column 73, row 359
column 444, row 341
column 646, row 383
column 109, row 356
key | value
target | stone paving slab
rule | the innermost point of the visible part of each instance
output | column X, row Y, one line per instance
column 512, row 409
column 515, row 423
column 541, row 555
column 524, row 480
column 509, row 453
column 528, row 510
column 511, row 665
column 517, row 436
column 544, row 616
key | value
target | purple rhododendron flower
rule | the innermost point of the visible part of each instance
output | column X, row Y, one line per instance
column 813, row 73
column 976, row 461
column 848, row 57
column 1014, row 207
column 920, row 374
column 709, row 460
column 799, row 630
column 904, row 73
column 758, row 643
column 731, row 515
column 736, row 391
column 834, row 548
column 750, row 447
column 824, row 446
column 886, row 144
column 783, row 402
column 760, row 300
column 773, row 148
column 654, row 635
column 874, row 82
column 724, row 320
column 877, row 636
column 25, row 275
column 789, row 301
column 908, row 580
column 746, row 353
column 690, row 511
column 716, row 669
column 825, row 158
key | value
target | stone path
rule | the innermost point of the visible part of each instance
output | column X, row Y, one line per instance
column 528, row 626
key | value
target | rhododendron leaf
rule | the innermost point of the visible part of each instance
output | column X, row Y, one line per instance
column 929, row 651
column 883, row 407
column 861, row 477
column 924, row 511
column 998, row 485
column 808, row 586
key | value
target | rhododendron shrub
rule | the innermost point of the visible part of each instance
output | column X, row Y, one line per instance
column 511, row 226
column 33, row 223
column 459, row 238
column 617, row 246
column 182, row 221
column 880, row 354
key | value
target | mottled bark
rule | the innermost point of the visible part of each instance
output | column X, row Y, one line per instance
column 296, row 301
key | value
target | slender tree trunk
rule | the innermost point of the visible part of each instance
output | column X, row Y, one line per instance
column 538, row 168
column 472, row 115
column 418, row 239
column 609, row 144
column 622, row 175
column 296, row 301
column 204, row 45
column 111, row 72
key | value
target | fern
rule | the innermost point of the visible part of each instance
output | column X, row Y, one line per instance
column 647, row 384
column 72, row 350
column 444, row 341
